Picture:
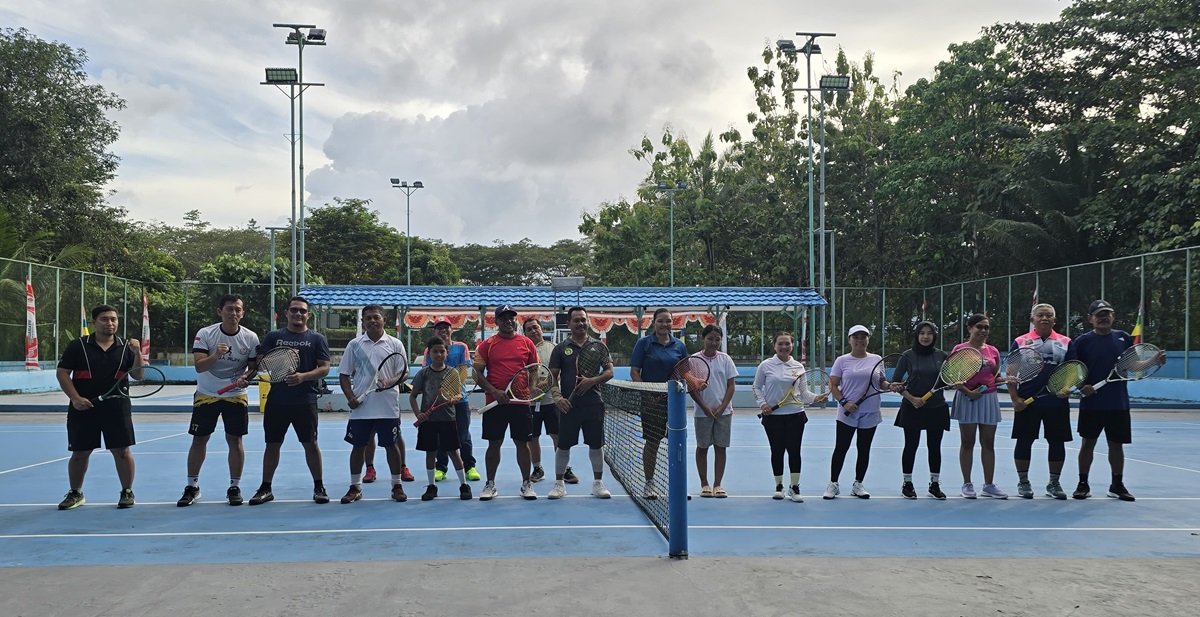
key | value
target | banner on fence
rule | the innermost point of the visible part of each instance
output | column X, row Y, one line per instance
column 31, row 342
column 145, row 328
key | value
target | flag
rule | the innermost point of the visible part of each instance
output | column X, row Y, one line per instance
column 31, row 342
column 1035, row 303
column 83, row 321
column 804, row 338
column 397, row 324
column 145, row 328
column 924, row 307
column 1137, row 327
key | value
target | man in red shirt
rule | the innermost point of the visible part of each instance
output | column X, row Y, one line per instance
column 500, row 357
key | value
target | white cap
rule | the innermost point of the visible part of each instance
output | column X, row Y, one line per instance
column 859, row 328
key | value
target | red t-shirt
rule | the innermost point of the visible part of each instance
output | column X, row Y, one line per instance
column 500, row 358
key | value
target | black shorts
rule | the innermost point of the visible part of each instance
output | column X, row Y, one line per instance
column 654, row 416
column 516, row 419
column 1116, row 425
column 927, row 418
column 302, row 417
column 359, row 432
column 1028, row 422
column 112, row 419
column 545, row 414
column 589, row 420
column 434, row 436
column 233, row 414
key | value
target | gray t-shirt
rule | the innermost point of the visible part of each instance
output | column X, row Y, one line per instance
column 427, row 382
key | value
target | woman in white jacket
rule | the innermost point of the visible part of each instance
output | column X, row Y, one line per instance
column 784, row 426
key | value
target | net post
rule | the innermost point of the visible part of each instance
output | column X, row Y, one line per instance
column 677, row 469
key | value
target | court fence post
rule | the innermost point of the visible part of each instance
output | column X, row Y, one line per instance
column 677, row 470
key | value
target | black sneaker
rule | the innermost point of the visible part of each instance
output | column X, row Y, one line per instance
column 1082, row 491
column 569, row 477
column 190, row 495
column 73, row 500
column 538, row 474
column 319, row 494
column 234, row 495
column 430, row 493
column 126, row 499
column 935, row 490
column 261, row 496
column 464, row 491
column 1120, row 492
column 352, row 495
column 908, row 491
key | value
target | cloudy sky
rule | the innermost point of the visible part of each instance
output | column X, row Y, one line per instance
column 517, row 115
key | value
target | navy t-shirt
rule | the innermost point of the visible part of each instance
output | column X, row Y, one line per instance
column 655, row 359
column 1100, row 354
column 313, row 348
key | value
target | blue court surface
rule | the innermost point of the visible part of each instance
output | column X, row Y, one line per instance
column 1162, row 469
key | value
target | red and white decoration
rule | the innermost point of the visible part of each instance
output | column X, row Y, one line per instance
column 31, row 342
column 145, row 328
column 600, row 322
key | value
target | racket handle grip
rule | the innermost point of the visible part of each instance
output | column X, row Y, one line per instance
column 1028, row 401
column 488, row 406
column 1099, row 384
column 928, row 395
column 232, row 386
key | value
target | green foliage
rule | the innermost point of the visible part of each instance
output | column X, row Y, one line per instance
column 520, row 263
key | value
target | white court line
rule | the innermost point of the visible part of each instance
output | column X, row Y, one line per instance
column 933, row 528
column 282, row 532
column 61, row 459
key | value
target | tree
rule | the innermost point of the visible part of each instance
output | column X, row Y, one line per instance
column 520, row 263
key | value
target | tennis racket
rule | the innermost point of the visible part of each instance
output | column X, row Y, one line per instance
column 274, row 366
column 151, row 381
column 693, row 371
column 1065, row 378
column 1022, row 365
column 589, row 362
column 807, row 388
column 449, row 393
column 527, row 386
column 1137, row 362
column 879, row 383
column 958, row 367
column 390, row 372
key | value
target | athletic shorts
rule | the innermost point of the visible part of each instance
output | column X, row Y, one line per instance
column 359, row 432
column 233, row 414
column 1028, row 422
column 434, row 436
column 712, row 431
column 301, row 417
column 112, row 419
column 654, row 416
column 545, row 414
column 516, row 419
column 1115, row 424
column 588, row 420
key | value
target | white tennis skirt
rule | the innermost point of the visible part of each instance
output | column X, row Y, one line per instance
column 984, row 410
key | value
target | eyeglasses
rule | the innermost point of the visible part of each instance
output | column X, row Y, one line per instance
column 297, row 310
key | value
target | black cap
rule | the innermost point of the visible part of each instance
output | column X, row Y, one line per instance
column 1100, row 305
column 503, row 309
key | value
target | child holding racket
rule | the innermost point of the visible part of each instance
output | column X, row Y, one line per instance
column 712, row 409
column 1105, row 410
column 91, row 366
column 1051, row 412
column 438, row 428
column 919, row 367
column 784, row 425
column 377, row 413
column 858, row 411
column 977, row 410
column 578, row 366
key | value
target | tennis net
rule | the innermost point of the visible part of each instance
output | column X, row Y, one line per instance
column 636, row 414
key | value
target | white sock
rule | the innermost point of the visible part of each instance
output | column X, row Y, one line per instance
column 462, row 475
column 429, row 474
column 356, row 479
column 194, row 481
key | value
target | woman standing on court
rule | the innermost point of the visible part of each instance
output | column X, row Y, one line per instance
column 919, row 367
column 849, row 381
column 977, row 409
column 652, row 359
column 784, row 426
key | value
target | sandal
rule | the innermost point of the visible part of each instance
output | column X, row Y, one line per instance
column 706, row 491
column 720, row 492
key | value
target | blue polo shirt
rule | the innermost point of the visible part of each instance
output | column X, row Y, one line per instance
column 655, row 359
column 1100, row 354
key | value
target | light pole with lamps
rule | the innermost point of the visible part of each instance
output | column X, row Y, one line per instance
column 187, row 337
column 271, row 300
column 280, row 77
column 314, row 36
column 665, row 187
column 408, row 189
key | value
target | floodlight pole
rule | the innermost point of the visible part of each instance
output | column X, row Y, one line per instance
column 665, row 187
column 408, row 189
column 271, row 300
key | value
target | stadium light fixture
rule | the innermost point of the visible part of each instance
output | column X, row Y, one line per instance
column 665, row 187
column 408, row 189
column 282, row 76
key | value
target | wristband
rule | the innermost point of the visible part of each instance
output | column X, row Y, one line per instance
column 983, row 389
column 842, row 401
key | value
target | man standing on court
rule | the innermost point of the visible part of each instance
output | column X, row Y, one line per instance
column 545, row 413
column 221, row 353
column 580, row 405
column 1051, row 412
column 90, row 367
column 377, row 413
column 1105, row 410
column 458, row 357
column 294, row 401
column 500, row 357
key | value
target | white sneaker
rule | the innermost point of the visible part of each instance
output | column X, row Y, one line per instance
column 968, row 491
column 860, row 491
column 993, row 491
column 793, row 493
column 831, row 491
column 650, row 493
column 778, row 492
column 559, row 491
column 527, row 491
column 489, row 491
column 599, row 490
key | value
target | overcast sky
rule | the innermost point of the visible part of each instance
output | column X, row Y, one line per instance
column 517, row 115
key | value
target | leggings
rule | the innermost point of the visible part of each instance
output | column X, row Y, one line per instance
column 845, row 433
column 1024, row 450
column 933, row 442
column 785, row 433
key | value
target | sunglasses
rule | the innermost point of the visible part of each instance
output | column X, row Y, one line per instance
column 297, row 310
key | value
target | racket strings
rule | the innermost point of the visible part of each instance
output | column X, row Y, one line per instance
column 590, row 360
column 961, row 366
column 279, row 363
column 1023, row 364
column 451, row 386
column 693, row 371
column 1138, row 362
column 1067, row 377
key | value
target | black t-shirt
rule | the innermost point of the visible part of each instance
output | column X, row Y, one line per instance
column 563, row 359
column 94, row 370
column 313, row 348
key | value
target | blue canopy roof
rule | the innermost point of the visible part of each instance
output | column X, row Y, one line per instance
column 426, row 297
